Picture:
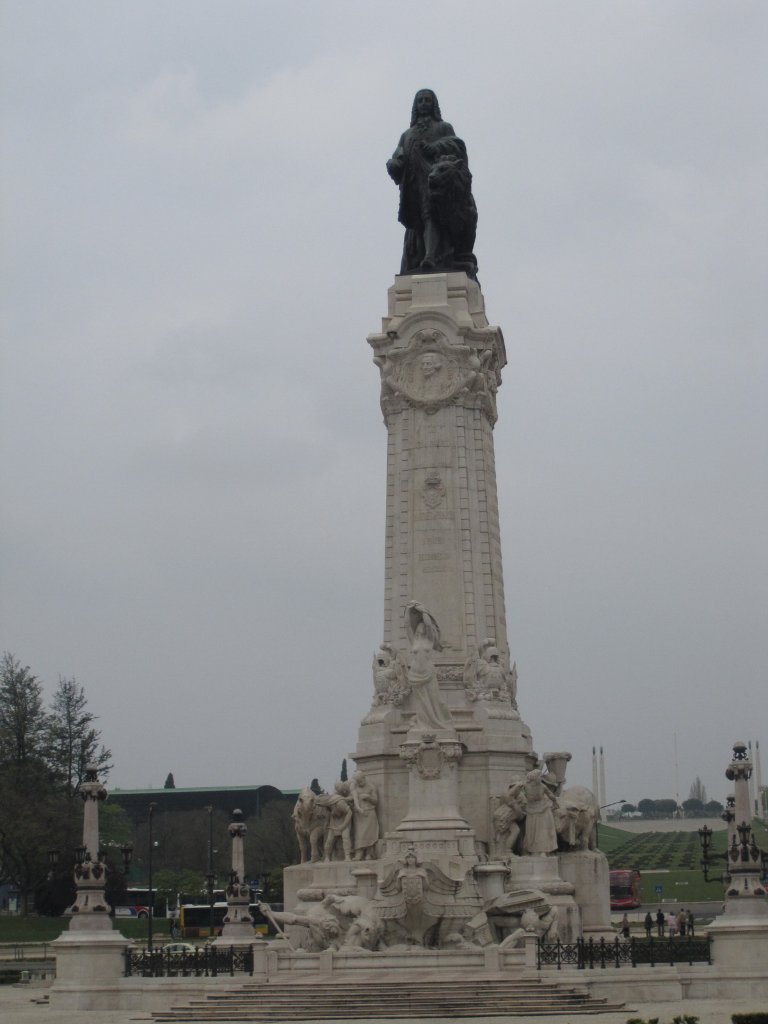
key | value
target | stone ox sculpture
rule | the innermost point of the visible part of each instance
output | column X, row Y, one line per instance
column 310, row 821
column 576, row 817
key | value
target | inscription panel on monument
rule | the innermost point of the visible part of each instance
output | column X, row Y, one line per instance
column 436, row 566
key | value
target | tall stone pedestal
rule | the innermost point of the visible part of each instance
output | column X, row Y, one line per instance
column 588, row 873
column 89, row 967
column 440, row 363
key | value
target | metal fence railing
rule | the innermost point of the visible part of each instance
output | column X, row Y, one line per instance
column 204, row 961
column 617, row 952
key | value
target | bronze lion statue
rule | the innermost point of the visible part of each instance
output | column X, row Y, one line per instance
column 453, row 209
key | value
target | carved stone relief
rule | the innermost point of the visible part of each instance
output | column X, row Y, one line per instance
column 429, row 371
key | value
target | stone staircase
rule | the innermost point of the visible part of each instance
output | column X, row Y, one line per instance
column 367, row 998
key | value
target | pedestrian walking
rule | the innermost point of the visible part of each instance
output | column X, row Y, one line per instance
column 690, row 923
column 625, row 926
column 648, row 923
column 660, row 922
column 682, row 921
column 671, row 924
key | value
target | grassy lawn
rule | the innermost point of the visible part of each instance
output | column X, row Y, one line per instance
column 669, row 859
column 653, row 851
column 681, row 887
column 45, row 929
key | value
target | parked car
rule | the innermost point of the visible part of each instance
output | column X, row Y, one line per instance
column 179, row 947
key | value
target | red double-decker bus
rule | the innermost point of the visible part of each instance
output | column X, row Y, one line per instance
column 625, row 889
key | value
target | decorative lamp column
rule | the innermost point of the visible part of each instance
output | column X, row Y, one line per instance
column 238, row 923
column 90, row 911
column 90, row 955
column 744, row 856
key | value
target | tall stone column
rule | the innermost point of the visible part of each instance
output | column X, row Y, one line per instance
column 440, row 363
column 90, row 911
column 238, row 923
column 89, row 956
column 740, row 934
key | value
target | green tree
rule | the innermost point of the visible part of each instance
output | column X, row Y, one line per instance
column 42, row 760
column 32, row 808
column 73, row 741
column 115, row 828
column 23, row 721
column 693, row 806
column 182, row 885
column 647, row 808
column 665, row 808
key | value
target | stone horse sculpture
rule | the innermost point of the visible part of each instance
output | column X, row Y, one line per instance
column 310, row 821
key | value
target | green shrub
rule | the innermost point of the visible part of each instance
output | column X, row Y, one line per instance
column 750, row 1018
column 687, row 1018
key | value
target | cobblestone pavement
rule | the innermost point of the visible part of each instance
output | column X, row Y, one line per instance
column 18, row 1005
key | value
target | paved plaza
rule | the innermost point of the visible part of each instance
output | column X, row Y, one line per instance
column 19, row 1004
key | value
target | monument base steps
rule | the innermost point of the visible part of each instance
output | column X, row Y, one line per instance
column 370, row 998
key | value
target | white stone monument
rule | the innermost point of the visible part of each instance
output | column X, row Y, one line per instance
column 467, row 811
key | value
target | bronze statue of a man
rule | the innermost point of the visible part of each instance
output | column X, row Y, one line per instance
column 436, row 204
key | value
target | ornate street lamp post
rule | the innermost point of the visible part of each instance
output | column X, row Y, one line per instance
column 745, row 861
column 151, row 907
column 89, row 911
column 238, row 923
column 210, row 877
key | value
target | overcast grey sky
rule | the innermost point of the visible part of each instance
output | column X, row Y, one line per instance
column 199, row 235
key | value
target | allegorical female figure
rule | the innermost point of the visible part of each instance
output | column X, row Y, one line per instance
column 426, row 701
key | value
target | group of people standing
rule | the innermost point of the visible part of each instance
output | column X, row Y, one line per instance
column 681, row 923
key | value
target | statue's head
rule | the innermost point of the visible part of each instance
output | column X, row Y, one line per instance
column 425, row 105
column 358, row 778
column 529, row 919
column 430, row 364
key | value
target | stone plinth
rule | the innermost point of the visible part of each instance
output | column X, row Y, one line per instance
column 587, row 871
column 740, row 943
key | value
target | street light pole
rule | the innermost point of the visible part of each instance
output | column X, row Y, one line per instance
column 211, row 878
column 151, row 908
